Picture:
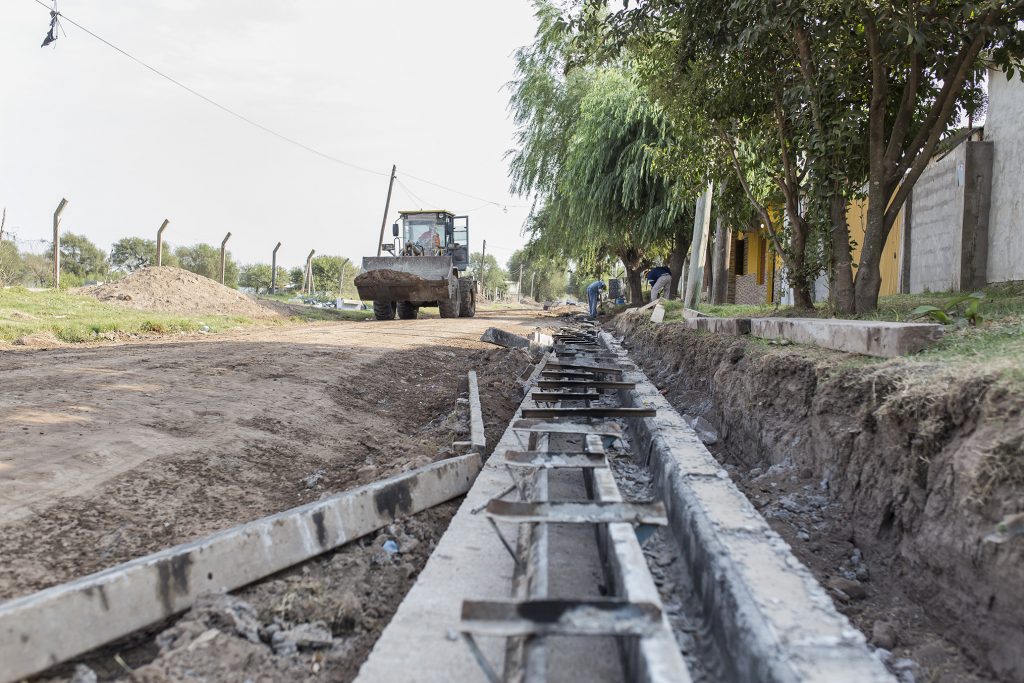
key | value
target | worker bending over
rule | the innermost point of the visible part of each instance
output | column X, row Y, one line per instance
column 594, row 290
column 661, row 281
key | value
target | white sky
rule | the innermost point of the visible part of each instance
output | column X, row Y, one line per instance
column 415, row 83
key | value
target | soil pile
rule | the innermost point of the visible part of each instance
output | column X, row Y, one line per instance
column 385, row 277
column 174, row 290
column 886, row 478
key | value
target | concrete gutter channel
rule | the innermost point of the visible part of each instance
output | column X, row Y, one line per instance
column 767, row 616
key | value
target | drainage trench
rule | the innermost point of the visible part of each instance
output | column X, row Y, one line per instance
column 602, row 541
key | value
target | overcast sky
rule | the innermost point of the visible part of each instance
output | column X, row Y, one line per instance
column 415, row 83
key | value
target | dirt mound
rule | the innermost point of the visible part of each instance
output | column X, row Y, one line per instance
column 174, row 290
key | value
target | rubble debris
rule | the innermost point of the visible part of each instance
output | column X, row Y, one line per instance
column 492, row 335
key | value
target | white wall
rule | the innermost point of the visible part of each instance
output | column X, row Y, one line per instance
column 1005, row 128
column 937, row 225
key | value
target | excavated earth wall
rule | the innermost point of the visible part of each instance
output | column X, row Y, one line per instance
column 913, row 465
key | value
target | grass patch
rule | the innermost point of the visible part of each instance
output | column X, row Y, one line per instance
column 75, row 318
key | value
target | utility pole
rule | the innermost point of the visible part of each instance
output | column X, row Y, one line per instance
column 309, row 272
column 387, row 208
column 519, row 288
column 533, row 279
column 160, row 242
column 56, row 242
column 223, row 250
column 273, row 269
column 483, row 260
column 341, row 275
column 698, row 249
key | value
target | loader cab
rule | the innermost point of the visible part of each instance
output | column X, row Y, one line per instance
column 434, row 233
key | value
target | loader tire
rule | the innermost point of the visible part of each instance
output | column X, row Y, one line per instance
column 407, row 311
column 449, row 308
column 384, row 310
column 467, row 294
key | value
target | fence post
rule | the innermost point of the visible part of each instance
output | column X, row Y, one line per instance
column 56, row 242
column 160, row 242
column 273, row 270
column 309, row 272
column 223, row 248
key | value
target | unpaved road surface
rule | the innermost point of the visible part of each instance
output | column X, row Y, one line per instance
column 111, row 452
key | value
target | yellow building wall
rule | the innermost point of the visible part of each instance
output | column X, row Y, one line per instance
column 889, row 266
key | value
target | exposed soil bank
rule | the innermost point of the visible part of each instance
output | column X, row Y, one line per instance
column 885, row 477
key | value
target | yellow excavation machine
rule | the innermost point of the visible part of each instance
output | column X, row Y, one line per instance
column 428, row 265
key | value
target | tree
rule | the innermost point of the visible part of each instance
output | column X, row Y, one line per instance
column 487, row 271
column 37, row 270
column 297, row 277
column 257, row 276
column 204, row 259
column 132, row 253
column 328, row 270
column 589, row 143
column 547, row 275
column 80, row 257
column 11, row 266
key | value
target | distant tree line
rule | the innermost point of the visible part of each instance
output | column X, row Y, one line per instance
column 82, row 261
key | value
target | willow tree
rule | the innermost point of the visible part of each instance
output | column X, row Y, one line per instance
column 589, row 144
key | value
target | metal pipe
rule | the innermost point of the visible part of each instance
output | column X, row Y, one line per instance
column 273, row 269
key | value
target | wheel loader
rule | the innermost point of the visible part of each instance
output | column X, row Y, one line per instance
column 427, row 265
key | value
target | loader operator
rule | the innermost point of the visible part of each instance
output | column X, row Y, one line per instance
column 430, row 241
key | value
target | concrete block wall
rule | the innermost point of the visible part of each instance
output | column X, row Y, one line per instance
column 1006, row 221
column 949, row 225
column 938, row 204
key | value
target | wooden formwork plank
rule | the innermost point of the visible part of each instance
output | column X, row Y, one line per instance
column 53, row 625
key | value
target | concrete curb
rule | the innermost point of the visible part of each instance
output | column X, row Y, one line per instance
column 734, row 326
column 884, row 339
column 773, row 621
column 43, row 629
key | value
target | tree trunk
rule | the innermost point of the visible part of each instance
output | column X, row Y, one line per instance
column 720, row 263
column 869, row 275
column 798, row 277
column 842, row 262
column 632, row 259
column 677, row 259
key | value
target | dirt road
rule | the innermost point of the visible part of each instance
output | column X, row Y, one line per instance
column 111, row 452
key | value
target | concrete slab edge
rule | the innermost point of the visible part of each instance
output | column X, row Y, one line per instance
column 43, row 629
column 477, row 436
column 771, row 618
column 465, row 564
column 871, row 338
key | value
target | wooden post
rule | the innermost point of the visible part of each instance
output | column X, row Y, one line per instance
column 387, row 208
column 223, row 249
column 56, row 242
column 309, row 272
column 698, row 249
column 160, row 243
column 273, row 270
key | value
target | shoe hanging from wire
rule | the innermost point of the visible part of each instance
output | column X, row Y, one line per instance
column 51, row 35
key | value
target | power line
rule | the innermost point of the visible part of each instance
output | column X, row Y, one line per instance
column 501, row 205
column 256, row 124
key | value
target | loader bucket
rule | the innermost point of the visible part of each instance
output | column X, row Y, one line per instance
column 407, row 278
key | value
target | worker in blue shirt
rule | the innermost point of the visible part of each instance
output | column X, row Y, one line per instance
column 661, row 281
column 594, row 290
